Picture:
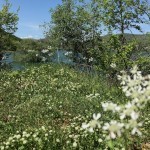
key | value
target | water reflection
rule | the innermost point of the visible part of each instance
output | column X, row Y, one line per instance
column 8, row 60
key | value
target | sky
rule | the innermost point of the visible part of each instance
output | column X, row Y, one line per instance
column 34, row 13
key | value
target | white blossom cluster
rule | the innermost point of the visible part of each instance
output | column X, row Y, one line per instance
column 137, row 88
column 113, row 65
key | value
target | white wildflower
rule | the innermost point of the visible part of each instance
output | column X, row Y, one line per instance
column 128, row 110
column 96, row 117
column 18, row 136
column 85, row 126
column 100, row 140
column 44, row 59
column 134, row 69
column 114, row 128
column 111, row 107
column 43, row 128
column 133, row 124
column 113, row 65
column 134, row 115
column 45, row 51
column 93, row 123
column 74, row 144
column 24, row 141
column 2, row 147
column 57, row 140
column 91, row 59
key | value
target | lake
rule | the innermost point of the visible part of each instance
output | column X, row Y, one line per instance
column 8, row 59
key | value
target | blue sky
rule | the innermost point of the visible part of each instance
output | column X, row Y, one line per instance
column 34, row 13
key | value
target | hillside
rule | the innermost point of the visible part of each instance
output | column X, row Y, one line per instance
column 142, row 38
column 8, row 42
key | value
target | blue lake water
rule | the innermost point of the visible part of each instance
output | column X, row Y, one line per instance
column 9, row 59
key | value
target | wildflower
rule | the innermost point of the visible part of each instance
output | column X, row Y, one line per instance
column 43, row 128
column 113, row 65
column 70, row 136
column 128, row 110
column 18, row 136
column 68, row 53
column 50, row 54
column 84, row 125
column 30, row 51
column 110, row 106
column 96, row 117
column 57, row 140
column 134, row 69
column 133, row 124
column 93, row 123
column 134, row 115
column 24, row 141
column 114, row 128
column 76, row 136
column 2, row 147
column 100, row 140
column 97, row 94
column 7, row 143
column 49, row 47
column 91, row 59
column 35, row 135
column 74, row 144
column 45, row 50
column 44, row 59
column 10, row 139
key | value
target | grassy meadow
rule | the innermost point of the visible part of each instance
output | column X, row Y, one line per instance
column 43, row 108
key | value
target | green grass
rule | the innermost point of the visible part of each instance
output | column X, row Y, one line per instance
column 50, row 102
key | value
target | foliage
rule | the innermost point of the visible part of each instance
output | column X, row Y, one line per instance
column 113, row 52
column 32, row 44
column 8, row 24
column 144, row 64
column 9, row 19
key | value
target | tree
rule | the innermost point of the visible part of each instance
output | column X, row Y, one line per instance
column 8, row 24
column 64, row 30
column 74, row 27
column 124, row 14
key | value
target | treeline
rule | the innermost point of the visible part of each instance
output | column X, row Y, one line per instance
column 32, row 44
